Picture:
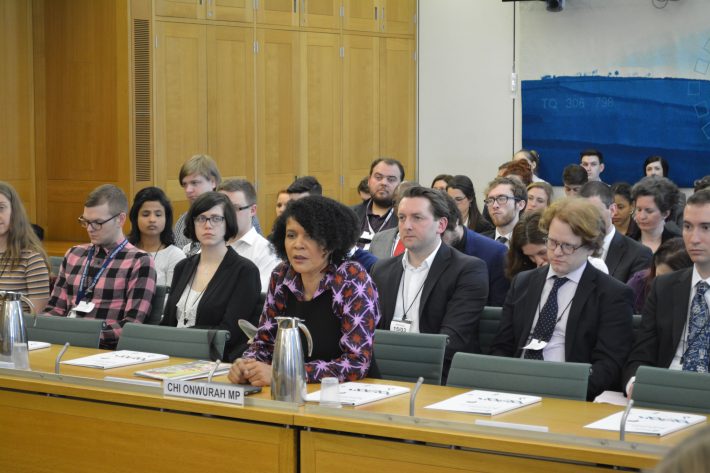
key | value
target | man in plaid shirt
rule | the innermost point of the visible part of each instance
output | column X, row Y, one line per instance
column 108, row 279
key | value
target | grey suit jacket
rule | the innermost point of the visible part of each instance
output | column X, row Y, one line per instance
column 383, row 243
column 626, row 256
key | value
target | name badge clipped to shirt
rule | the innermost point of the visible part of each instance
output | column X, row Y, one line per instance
column 365, row 239
column 84, row 307
column 535, row 344
column 402, row 326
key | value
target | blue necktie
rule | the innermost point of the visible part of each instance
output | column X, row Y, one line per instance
column 547, row 320
column 695, row 357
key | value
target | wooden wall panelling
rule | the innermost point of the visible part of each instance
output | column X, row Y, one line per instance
column 16, row 101
column 397, row 16
column 277, row 92
column 277, row 12
column 320, row 14
column 231, row 10
column 194, row 9
column 321, row 109
column 361, row 110
column 361, row 15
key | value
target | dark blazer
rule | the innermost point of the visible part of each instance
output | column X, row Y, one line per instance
column 232, row 294
column 626, row 257
column 452, row 299
column 361, row 212
column 490, row 234
column 493, row 254
column 664, row 317
column 599, row 325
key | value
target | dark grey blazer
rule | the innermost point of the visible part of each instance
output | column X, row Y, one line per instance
column 383, row 243
column 626, row 256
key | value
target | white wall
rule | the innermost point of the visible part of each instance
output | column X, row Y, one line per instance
column 465, row 106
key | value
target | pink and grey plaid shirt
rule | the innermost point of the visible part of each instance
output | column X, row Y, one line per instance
column 122, row 294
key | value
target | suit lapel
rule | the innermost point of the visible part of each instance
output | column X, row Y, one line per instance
column 441, row 261
column 681, row 297
column 587, row 285
column 391, row 289
column 532, row 301
column 616, row 252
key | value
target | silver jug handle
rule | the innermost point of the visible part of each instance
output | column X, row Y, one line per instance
column 33, row 311
column 307, row 333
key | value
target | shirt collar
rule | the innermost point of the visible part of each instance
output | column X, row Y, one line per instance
column 293, row 281
column 111, row 246
column 697, row 278
column 609, row 236
column 507, row 236
column 574, row 276
column 249, row 237
column 426, row 264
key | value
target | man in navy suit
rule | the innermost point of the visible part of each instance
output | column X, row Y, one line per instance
column 569, row 310
column 675, row 330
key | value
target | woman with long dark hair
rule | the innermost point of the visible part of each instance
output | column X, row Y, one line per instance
column 461, row 189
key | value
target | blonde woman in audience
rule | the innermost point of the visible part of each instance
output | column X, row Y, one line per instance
column 23, row 261
column 152, row 231
column 539, row 196
column 281, row 200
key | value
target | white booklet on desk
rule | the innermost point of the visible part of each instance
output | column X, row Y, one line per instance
column 485, row 402
column 357, row 394
column 116, row 359
column 31, row 345
column 185, row 371
column 648, row 422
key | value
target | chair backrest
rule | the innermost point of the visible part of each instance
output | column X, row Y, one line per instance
column 59, row 330
column 673, row 390
column 54, row 263
column 517, row 375
column 173, row 341
column 157, row 305
column 488, row 327
column 407, row 356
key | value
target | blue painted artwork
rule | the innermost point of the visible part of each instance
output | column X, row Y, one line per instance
column 626, row 118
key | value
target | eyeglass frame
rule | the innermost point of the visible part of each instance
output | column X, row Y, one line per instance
column 562, row 246
column 93, row 223
column 490, row 200
column 238, row 208
column 214, row 220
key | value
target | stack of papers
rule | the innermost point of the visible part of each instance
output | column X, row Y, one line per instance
column 648, row 422
column 356, row 394
column 116, row 359
column 185, row 371
column 485, row 402
column 37, row 345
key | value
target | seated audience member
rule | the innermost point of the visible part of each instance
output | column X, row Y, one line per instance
column 702, row 183
column 519, row 169
column 533, row 158
column 377, row 214
column 247, row 242
column 506, row 198
column 671, row 256
column 461, row 189
column 109, row 279
column 198, row 175
column 23, row 262
column 216, row 287
column 335, row 296
column 441, row 182
column 282, row 199
column 575, row 312
column 151, row 219
column 387, row 243
column 592, row 161
column 674, row 330
column 490, row 251
column 363, row 190
column 658, row 166
column 574, row 177
column 623, row 219
column 539, row 196
column 691, row 455
column 431, row 288
column 653, row 198
column 623, row 256
column 303, row 187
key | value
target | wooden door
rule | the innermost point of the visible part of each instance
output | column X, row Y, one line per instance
column 321, row 110
column 397, row 111
column 180, row 102
column 180, row 8
column 320, row 14
column 397, row 16
column 277, row 92
column 361, row 15
column 277, row 12
column 230, row 99
column 361, row 129
column 230, row 10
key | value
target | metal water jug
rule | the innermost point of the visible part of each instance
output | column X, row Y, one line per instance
column 13, row 337
column 288, row 373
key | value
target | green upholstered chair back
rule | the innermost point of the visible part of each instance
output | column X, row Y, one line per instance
column 173, row 341
column 59, row 330
column 673, row 390
column 488, row 327
column 407, row 356
column 157, row 305
column 516, row 375
column 54, row 263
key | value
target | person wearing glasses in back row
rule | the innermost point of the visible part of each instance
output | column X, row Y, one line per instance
column 569, row 310
column 109, row 278
column 506, row 198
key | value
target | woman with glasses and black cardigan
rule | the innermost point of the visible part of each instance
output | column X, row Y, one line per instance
column 216, row 287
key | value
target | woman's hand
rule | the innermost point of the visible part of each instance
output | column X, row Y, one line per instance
column 256, row 373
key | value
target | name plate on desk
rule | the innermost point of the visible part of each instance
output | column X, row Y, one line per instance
column 230, row 394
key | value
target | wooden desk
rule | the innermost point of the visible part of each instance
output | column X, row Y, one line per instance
column 80, row 423
column 388, row 440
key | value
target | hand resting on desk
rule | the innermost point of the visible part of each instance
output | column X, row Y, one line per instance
column 256, row 373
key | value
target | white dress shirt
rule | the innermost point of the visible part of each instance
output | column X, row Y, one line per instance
column 258, row 249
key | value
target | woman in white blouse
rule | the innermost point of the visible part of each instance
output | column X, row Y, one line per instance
column 152, row 231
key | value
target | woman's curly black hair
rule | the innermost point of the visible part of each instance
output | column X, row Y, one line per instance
column 333, row 225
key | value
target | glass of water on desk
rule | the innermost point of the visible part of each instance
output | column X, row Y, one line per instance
column 330, row 392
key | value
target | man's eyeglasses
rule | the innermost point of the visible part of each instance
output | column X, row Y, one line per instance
column 566, row 248
column 95, row 224
column 501, row 199
column 214, row 220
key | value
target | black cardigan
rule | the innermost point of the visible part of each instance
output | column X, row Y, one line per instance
column 232, row 294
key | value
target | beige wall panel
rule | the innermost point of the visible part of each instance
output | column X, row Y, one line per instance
column 180, row 8
column 277, row 12
column 231, row 10
column 397, row 16
column 320, row 13
column 361, row 15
